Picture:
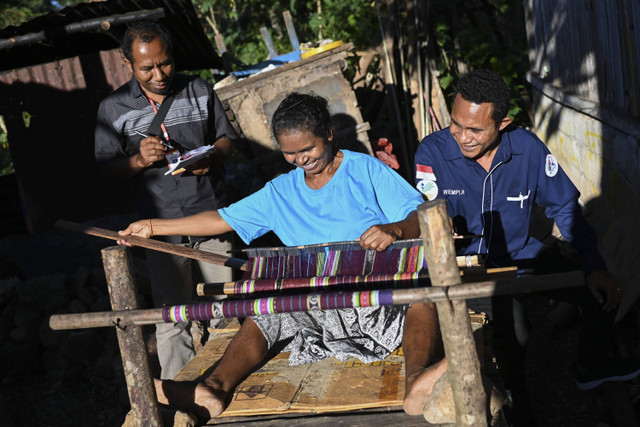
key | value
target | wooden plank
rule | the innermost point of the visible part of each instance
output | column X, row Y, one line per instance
column 157, row 245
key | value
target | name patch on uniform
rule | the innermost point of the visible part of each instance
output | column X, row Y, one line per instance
column 425, row 172
column 453, row 191
column 550, row 166
column 428, row 188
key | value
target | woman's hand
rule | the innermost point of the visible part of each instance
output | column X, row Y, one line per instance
column 142, row 228
column 379, row 237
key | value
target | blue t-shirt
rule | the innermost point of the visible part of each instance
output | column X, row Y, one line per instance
column 498, row 204
column 363, row 192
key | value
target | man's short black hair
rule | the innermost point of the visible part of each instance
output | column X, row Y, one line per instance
column 146, row 31
column 480, row 86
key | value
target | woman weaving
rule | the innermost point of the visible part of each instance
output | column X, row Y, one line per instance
column 332, row 195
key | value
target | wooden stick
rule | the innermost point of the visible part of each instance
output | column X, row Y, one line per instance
column 135, row 361
column 399, row 296
column 157, row 245
column 463, row 366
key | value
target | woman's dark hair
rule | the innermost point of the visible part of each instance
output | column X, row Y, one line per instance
column 146, row 31
column 480, row 86
column 302, row 112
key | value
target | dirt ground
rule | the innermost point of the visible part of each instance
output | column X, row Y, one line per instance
column 31, row 395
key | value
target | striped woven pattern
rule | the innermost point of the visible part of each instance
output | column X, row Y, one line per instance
column 335, row 259
column 279, row 304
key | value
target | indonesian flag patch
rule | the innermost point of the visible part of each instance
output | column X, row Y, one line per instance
column 424, row 172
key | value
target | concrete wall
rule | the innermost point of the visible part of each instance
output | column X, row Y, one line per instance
column 600, row 151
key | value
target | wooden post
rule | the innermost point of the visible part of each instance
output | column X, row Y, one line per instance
column 142, row 395
column 462, row 359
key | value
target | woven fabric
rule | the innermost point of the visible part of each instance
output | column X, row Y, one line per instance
column 338, row 259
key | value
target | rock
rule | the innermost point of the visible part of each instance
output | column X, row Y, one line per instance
column 19, row 359
column 184, row 419
column 98, row 278
column 83, row 277
column 441, row 408
column 96, row 292
column 55, row 363
column 77, row 306
column 10, row 308
column 83, row 346
column 8, row 284
column 5, row 327
column 48, row 292
column 20, row 334
column 51, row 338
column 101, row 304
column 26, row 315
column 84, row 296
column 104, row 365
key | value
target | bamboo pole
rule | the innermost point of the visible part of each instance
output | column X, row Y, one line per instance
column 151, row 316
column 157, row 245
column 93, row 24
column 463, row 365
column 135, row 362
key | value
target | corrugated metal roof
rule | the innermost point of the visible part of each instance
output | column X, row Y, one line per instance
column 89, row 27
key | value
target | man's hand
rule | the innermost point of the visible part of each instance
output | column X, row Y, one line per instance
column 142, row 228
column 600, row 282
column 379, row 237
column 151, row 150
column 201, row 167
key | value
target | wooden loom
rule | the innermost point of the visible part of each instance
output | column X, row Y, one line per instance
column 445, row 278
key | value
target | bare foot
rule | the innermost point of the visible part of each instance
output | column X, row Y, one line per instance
column 420, row 385
column 189, row 396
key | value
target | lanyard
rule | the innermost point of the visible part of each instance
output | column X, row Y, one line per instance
column 162, row 126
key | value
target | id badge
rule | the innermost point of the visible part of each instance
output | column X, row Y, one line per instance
column 172, row 157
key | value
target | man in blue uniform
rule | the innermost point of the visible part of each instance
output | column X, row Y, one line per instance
column 492, row 173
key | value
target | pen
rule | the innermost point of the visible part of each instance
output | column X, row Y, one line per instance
column 166, row 144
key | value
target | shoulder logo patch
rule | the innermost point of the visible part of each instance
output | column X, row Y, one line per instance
column 550, row 166
column 428, row 188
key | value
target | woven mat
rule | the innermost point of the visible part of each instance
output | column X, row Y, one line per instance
column 325, row 386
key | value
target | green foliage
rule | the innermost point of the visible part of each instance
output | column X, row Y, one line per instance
column 482, row 34
column 6, row 164
column 240, row 21
column 15, row 12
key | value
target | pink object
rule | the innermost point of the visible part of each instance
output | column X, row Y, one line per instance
column 383, row 151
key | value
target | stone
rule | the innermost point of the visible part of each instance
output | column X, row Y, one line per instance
column 83, row 346
column 77, row 306
column 101, row 304
column 51, row 338
column 84, row 296
column 104, row 366
column 54, row 362
column 26, row 315
column 83, row 277
column 52, row 294
column 441, row 408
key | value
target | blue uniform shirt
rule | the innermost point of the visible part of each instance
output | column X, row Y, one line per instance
column 498, row 204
